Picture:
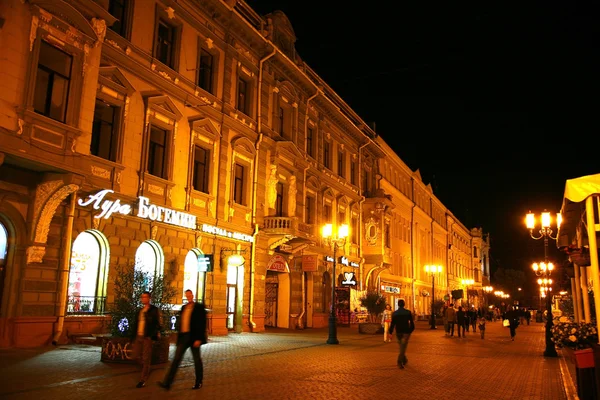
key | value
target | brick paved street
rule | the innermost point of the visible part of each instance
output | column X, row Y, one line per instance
column 299, row 365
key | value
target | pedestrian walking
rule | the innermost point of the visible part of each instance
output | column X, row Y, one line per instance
column 402, row 320
column 461, row 321
column 451, row 318
column 445, row 320
column 473, row 319
column 192, row 334
column 145, row 330
column 481, row 325
column 513, row 318
column 386, row 319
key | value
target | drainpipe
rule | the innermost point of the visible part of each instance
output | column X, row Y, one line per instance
column 300, row 323
column 254, row 187
column 412, row 243
column 360, row 215
column 64, row 273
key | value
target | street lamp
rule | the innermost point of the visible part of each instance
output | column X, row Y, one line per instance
column 487, row 290
column 467, row 283
column 545, row 269
column 433, row 270
column 335, row 241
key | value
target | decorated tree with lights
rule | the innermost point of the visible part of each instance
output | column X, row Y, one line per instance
column 130, row 283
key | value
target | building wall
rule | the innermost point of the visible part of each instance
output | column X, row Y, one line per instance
column 308, row 160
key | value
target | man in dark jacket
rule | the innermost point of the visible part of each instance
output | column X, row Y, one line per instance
column 192, row 334
column 145, row 330
column 402, row 320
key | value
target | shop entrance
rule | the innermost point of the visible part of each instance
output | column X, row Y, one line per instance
column 271, row 289
column 231, row 301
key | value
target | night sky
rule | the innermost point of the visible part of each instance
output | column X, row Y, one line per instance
column 496, row 104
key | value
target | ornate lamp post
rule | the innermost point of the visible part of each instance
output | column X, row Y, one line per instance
column 487, row 290
column 334, row 240
column 433, row 270
column 545, row 269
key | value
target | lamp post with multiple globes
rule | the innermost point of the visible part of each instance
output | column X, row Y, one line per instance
column 433, row 270
column 335, row 240
column 544, row 270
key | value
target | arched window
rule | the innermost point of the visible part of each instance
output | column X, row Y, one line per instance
column 194, row 275
column 88, row 273
column 3, row 245
column 149, row 258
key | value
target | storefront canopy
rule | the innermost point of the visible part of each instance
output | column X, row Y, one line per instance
column 577, row 190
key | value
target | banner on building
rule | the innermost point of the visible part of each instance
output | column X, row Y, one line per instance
column 309, row 263
column 278, row 263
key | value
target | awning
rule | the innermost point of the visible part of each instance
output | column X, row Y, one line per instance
column 577, row 190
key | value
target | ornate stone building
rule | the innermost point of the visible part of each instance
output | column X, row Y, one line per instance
column 188, row 139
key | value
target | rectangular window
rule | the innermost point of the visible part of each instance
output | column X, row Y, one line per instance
column 165, row 43
column 354, row 230
column 238, row 184
column 118, row 9
column 157, row 152
column 341, row 218
column 341, row 164
column 326, row 154
column 205, row 70
column 279, row 200
column 309, row 217
column 309, row 141
column 52, row 82
column 327, row 214
column 281, row 121
column 387, row 237
column 104, row 131
column 201, row 168
column 242, row 96
column 353, row 173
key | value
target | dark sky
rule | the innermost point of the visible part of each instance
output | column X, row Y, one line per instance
column 496, row 104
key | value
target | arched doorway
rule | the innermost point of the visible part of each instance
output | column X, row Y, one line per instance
column 3, row 257
column 150, row 260
column 193, row 277
column 88, row 273
column 235, row 290
column 271, row 291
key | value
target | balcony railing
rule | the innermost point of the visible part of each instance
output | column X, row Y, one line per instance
column 281, row 225
column 86, row 305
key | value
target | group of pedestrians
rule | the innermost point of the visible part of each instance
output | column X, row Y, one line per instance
column 191, row 334
column 463, row 320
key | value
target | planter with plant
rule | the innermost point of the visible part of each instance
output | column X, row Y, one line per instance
column 375, row 303
column 577, row 338
column 129, row 285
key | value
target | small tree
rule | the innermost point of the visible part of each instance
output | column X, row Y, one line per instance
column 129, row 285
column 438, row 306
column 374, row 302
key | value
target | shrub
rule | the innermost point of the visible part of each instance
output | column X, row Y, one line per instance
column 576, row 335
column 374, row 302
column 129, row 285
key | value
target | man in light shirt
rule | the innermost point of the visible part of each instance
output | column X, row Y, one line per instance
column 146, row 329
column 192, row 334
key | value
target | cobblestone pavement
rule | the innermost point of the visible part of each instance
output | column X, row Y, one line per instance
column 297, row 364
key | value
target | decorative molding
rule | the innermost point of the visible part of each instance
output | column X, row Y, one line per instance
column 20, row 122
column 35, row 254
column 43, row 222
column 100, row 172
column 119, row 177
column 96, row 222
column 33, row 31
column 42, row 193
column 199, row 241
column 156, row 189
column 272, row 186
column 153, row 232
column 99, row 26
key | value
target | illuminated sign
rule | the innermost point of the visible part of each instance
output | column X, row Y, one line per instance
column 349, row 279
column 345, row 261
column 278, row 263
column 145, row 210
column 390, row 289
column 215, row 230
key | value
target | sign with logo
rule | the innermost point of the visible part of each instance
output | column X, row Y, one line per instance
column 348, row 263
column 145, row 210
column 285, row 247
column 390, row 289
column 205, row 262
column 309, row 263
column 278, row 263
column 215, row 230
column 349, row 279
column 328, row 259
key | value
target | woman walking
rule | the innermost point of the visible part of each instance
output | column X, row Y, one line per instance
column 385, row 322
column 513, row 318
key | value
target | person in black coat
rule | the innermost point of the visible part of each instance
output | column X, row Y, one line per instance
column 192, row 334
column 513, row 318
column 461, row 318
column 404, row 323
column 145, row 330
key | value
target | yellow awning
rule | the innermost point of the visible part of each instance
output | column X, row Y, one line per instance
column 573, row 206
